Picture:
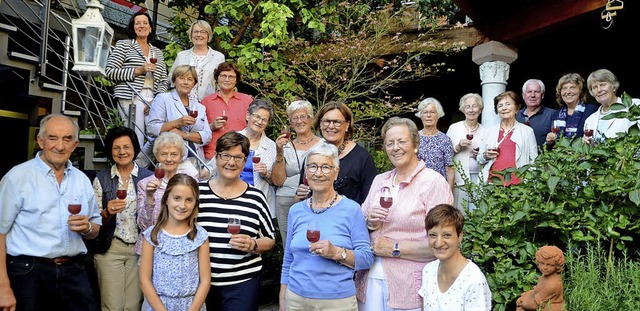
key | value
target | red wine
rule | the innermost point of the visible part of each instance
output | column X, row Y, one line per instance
column 193, row 113
column 313, row 235
column 255, row 159
column 74, row 208
column 287, row 133
column 153, row 60
column 304, row 179
column 469, row 136
column 588, row 133
column 121, row 194
column 386, row 202
column 158, row 173
column 233, row 229
column 555, row 130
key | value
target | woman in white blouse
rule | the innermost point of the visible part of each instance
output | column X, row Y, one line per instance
column 466, row 136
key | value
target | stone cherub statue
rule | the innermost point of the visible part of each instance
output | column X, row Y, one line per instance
column 548, row 293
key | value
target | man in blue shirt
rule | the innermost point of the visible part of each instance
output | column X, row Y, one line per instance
column 535, row 115
column 47, row 208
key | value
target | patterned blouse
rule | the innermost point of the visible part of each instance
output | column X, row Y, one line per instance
column 436, row 152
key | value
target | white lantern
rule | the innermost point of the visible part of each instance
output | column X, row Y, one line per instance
column 91, row 41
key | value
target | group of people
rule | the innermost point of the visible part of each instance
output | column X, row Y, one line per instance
column 180, row 235
column 522, row 133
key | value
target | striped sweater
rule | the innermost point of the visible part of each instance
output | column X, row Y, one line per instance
column 121, row 64
column 230, row 266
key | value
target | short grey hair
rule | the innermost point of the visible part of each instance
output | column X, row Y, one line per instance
column 603, row 75
column 169, row 139
column 430, row 101
column 467, row 96
column 260, row 103
column 47, row 118
column 397, row 121
column 326, row 150
column 524, row 86
column 300, row 104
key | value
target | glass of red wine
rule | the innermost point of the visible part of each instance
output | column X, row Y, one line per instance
column 224, row 115
column 313, row 234
column 588, row 133
column 193, row 113
column 555, row 128
column 121, row 193
column 386, row 199
column 285, row 131
column 255, row 159
column 158, row 172
column 233, row 225
column 469, row 136
column 74, row 207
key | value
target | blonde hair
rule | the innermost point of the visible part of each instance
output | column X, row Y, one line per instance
column 204, row 26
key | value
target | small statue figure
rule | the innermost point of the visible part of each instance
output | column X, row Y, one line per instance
column 548, row 293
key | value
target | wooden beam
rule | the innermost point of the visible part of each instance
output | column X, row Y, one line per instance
column 537, row 16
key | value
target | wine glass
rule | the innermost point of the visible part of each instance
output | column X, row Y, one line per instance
column 469, row 136
column 121, row 193
column 285, row 131
column 255, row 159
column 588, row 133
column 386, row 199
column 158, row 172
column 233, row 225
column 152, row 60
column 313, row 234
column 555, row 128
column 224, row 115
column 74, row 207
column 193, row 113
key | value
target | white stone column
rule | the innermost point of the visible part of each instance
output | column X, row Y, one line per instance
column 494, row 59
column 493, row 76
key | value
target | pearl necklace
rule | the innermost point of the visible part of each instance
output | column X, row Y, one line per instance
column 322, row 210
column 471, row 130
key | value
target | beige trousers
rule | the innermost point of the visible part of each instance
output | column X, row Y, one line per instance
column 295, row 302
column 117, row 271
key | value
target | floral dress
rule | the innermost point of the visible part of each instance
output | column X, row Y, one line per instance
column 175, row 268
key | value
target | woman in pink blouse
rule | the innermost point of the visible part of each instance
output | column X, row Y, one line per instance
column 398, row 235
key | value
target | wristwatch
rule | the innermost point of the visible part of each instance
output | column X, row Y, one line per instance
column 255, row 245
column 396, row 251
column 343, row 255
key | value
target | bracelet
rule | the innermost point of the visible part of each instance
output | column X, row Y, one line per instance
column 88, row 231
column 255, row 246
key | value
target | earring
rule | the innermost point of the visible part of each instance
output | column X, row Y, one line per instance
column 415, row 150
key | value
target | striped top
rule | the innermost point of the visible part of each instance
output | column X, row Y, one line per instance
column 230, row 266
column 121, row 64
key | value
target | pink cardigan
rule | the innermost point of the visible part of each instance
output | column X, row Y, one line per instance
column 425, row 189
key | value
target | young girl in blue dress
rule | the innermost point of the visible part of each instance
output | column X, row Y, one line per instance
column 174, row 265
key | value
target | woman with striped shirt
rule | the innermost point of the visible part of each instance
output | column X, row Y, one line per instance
column 235, row 257
column 136, row 62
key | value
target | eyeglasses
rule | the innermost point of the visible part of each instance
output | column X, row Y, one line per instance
column 336, row 123
column 200, row 32
column 300, row 118
column 257, row 117
column 325, row 169
column 173, row 155
column 227, row 157
column 227, row 77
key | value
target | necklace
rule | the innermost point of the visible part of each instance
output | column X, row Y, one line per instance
column 341, row 147
column 300, row 141
column 322, row 210
column 471, row 130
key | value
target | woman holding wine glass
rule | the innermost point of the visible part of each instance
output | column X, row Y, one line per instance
column 570, row 118
column 236, row 260
column 176, row 112
column 169, row 150
column 603, row 86
column 398, row 237
column 507, row 144
column 357, row 169
column 226, row 108
column 466, row 135
column 137, row 62
column 338, row 237
column 290, row 154
column 115, row 261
